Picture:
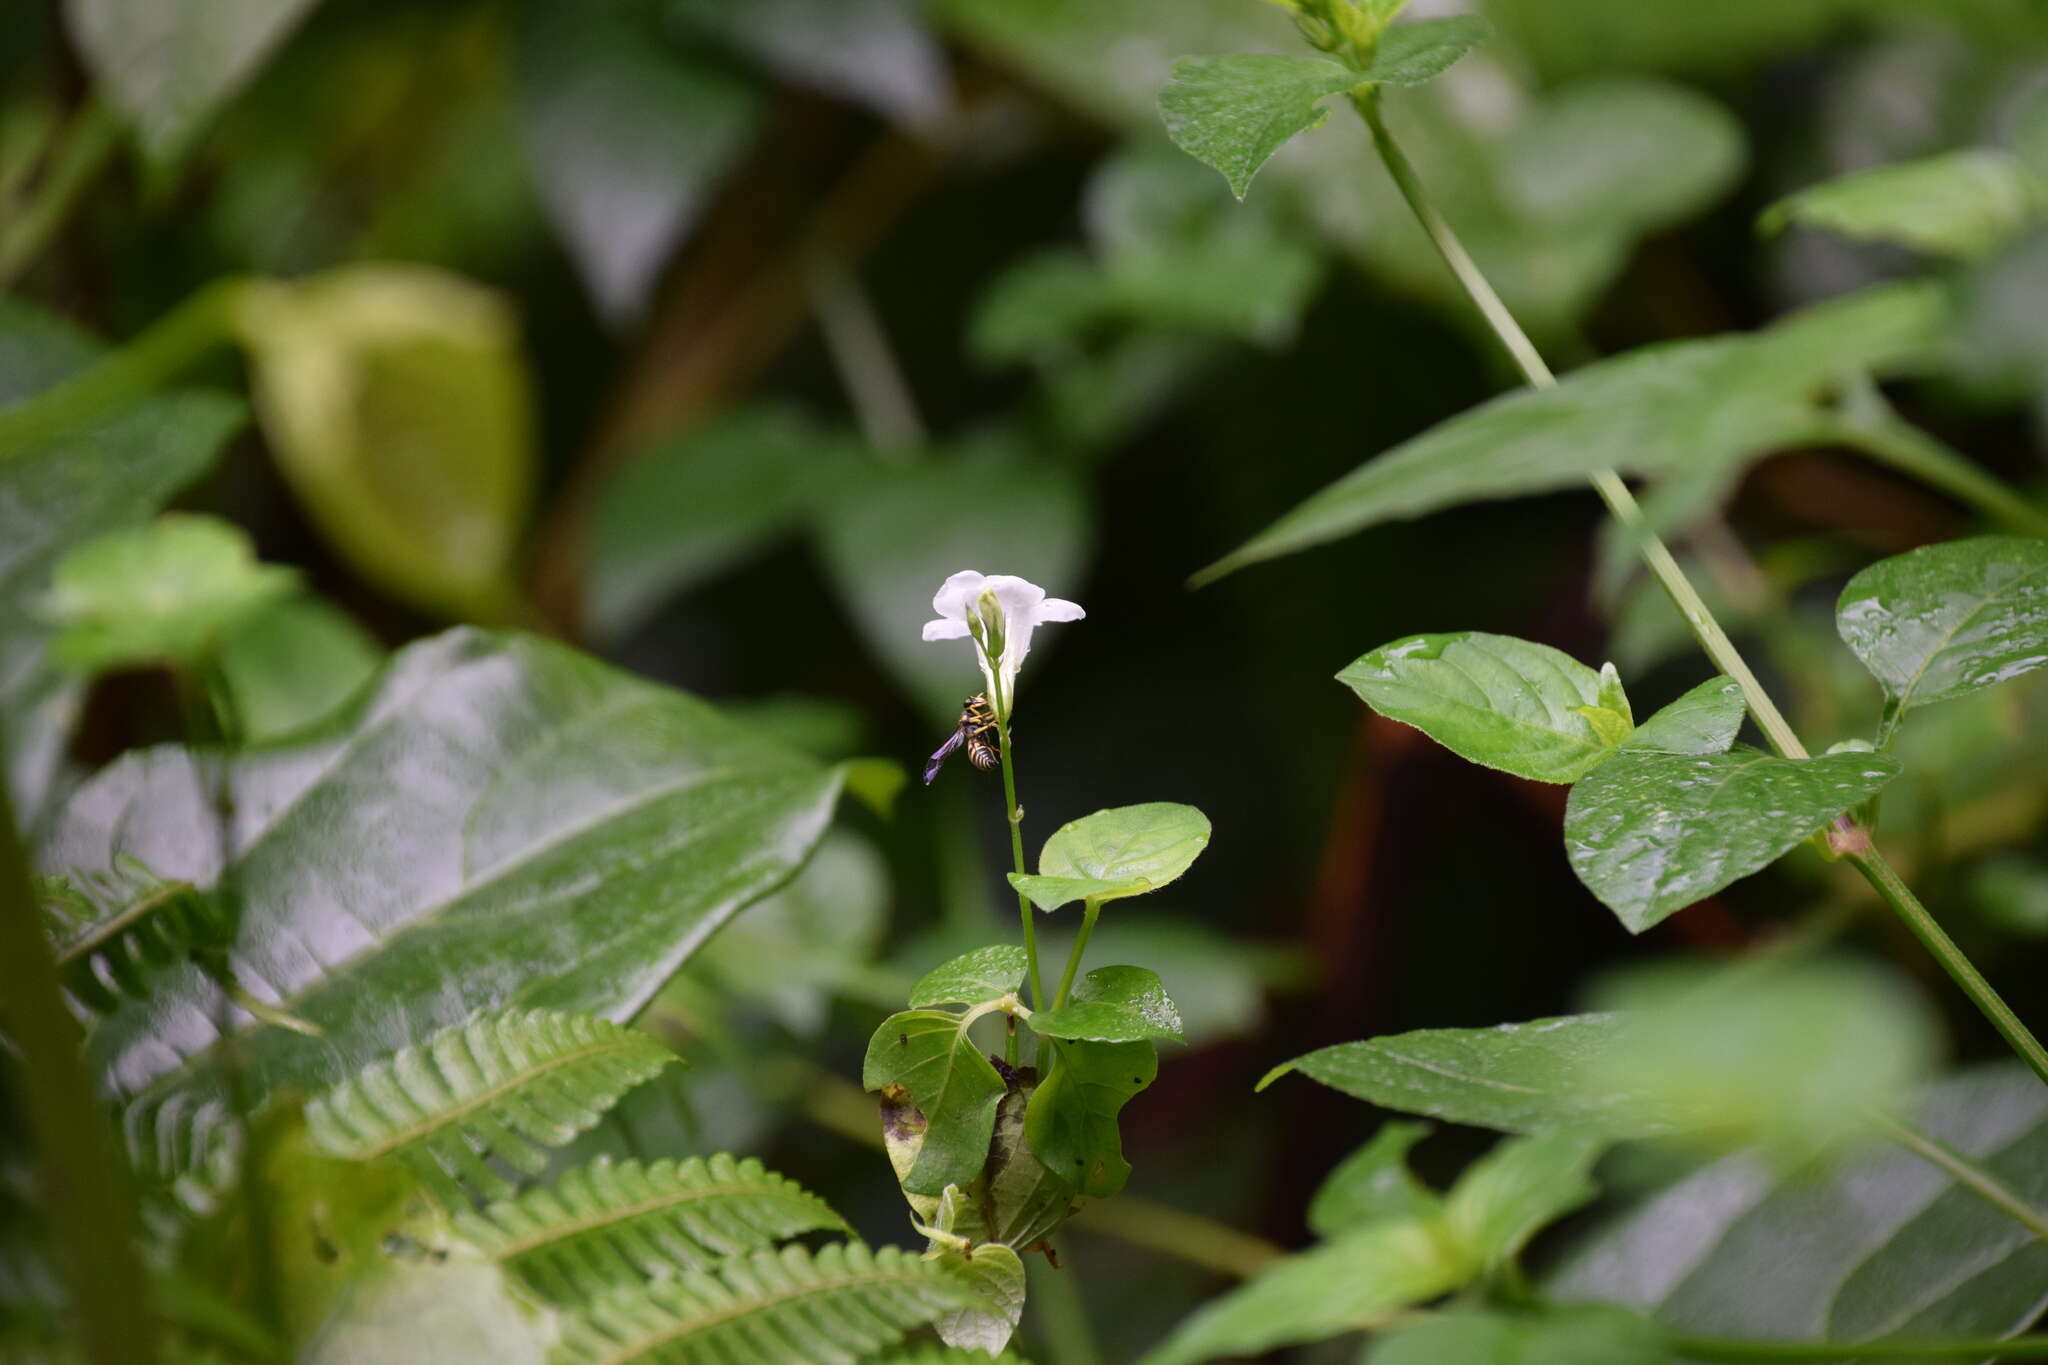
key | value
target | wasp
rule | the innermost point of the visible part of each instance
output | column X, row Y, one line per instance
column 977, row 732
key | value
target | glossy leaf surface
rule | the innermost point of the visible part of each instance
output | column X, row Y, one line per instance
column 1113, row 1005
column 1703, row 721
column 972, row 978
column 1127, row 851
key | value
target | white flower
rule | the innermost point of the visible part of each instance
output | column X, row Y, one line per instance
column 998, row 612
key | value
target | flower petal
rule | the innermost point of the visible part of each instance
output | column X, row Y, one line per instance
column 957, row 593
column 1018, row 596
column 1056, row 609
column 942, row 629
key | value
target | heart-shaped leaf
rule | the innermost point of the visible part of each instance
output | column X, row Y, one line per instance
column 1113, row 1005
column 1071, row 1120
column 1116, row 853
column 1233, row 112
column 1650, row 833
column 930, row 1055
column 1496, row 700
column 972, row 978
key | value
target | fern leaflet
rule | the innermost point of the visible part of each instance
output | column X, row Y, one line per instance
column 111, row 928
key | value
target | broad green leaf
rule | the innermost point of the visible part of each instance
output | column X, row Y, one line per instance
column 1495, row 700
column 1703, row 721
column 169, row 64
column 1504, row 1198
column 294, row 664
column 992, row 504
column 1113, row 1005
column 396, row 401
column 1650, row 833
column 874, row 52
column 1234, row 112
column 995, row 1275
column 1520, row 1078
column 569, row 833
column 1116, row 853
column 930, row 1055
column 1886, row 1244
column 972, row 978
column 1071, row 1120
column 1965, row 203
column 629, row 135
column 1944, row 620
column 163, row 593
column 1675, row 406
column 1592, row 1334
column 1374, row 1184
column 1044, row 306
column 1338, row 1287
column 1409, row 54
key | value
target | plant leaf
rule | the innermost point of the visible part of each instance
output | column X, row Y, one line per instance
column 1676, row 406
column 769, row 1307
column 1071, row 1120
column 1493, row 699
column 1964, row 203
column 1409, row 54
column 1116, row 853
column 1944, row 620
column 1703, row 721
column 569, row 833
column 1233, row 112
column 292, row 665
column 1374, row 1184
column 1113, row 1005
column 1887, row 1243
column 1650, row 834
column 612, row 1223
column 929, row 1054
column 1592, row 1334
column 166, row 592
column 1524, row 1183
column 972, row 978
column 995, row 1275
column 501, row 1085
column 113, row 928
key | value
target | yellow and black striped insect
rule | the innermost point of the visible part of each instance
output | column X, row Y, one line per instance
column 976, row 732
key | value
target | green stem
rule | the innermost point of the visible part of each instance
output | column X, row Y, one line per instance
column 1089, row 910
column 1912, row 451
column 1965, row 1171
column 1606, row 482
column 1737, row 1351
column 1900, row 897
column 83, row 1183
column 204, row 320
column 87, row 143
column 1016, row 817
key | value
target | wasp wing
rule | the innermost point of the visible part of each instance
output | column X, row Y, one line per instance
column 945, row 751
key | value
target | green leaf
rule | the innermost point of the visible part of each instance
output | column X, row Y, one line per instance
column 1495, row 700
column 1574, row 1335
column 501, row 1085
column 1703, row 721
column 432, row 1313
column 1374, row 1184
column 995, row 1275
column 396, row 401
column 292, row 665
column 1504, row 1198
column 1071, row 1120
column 166, row 592
column 874, row 52
column 1234, row 112
column 1887, row 1244
column 1965, row 203
column 111, row 929
column 1676, row 406
column 169, row 64
column 1113, row 1005
column 1111, row 854
column 929, row 1054
column 769, row 1307
column 613, row 1223
column 629, row 135
column 1409, row 54
column 1520, row 1078
column 1650, row 834
column 1338, row 1287
column 1944, row 620
column 972, row 978
column 567, row 832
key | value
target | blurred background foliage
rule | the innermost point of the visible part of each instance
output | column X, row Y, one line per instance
column 712, row 336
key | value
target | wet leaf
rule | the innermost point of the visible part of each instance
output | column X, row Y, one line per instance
column 1116, row 853
column 1703, row 721
column 972, row 978
column 1113, row 1005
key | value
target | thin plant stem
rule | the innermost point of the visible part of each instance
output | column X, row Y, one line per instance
column 1089, row 910
column 867, row 365
column 1016, row 818
column 83, row 1182
column 1738, row 1351
column 1965, row 1171
column 82, row 151
column 1846, row 837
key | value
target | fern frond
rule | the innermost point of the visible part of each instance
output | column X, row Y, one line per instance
column 109, row 929
column 618, row 1222
column 770, row 1307
column 502, row 1085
